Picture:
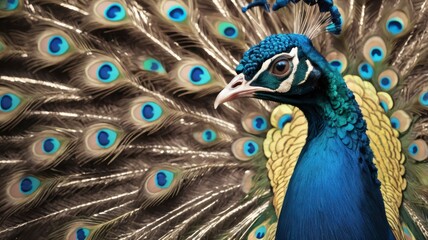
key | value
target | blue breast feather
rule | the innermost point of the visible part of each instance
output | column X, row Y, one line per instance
column 331, row 195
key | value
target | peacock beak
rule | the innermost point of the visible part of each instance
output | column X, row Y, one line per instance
column 237, row 88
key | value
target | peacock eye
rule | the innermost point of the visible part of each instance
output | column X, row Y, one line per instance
column 260, row 232
column 107, row 72
column 54, row 44
column 9, row 102
column 160, row 180
column 101, row 138
column 24, row 187
column 12, row 5
column 281, row 67
column 82, row 233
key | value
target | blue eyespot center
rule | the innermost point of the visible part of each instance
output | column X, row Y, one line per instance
column 82, row 233
column 260, row 232
column 106, row 137
column 153, row 65
column 259, row 123
column 6, row 102
column 395, row 26
column 286, row 118
column 164, row 178
column 199, row 75
column 12, row 5
column 58, row 45
column 385, row 83
column 28, row 185
column 9, row 102
column 51, row 145
column 384, row 106
column 177, row 13
column 366, row 71
column 376, row 54
column 107, row 72
column 115, row 12
column 337, row 64
column 228, row 30
column 395, row 123
column 209, row 135
column 151, row 111
column 251, row 148
column 423, row 99
column 413, row 149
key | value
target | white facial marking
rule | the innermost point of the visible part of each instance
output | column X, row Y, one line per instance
column 286, row 85
column 310, row 68
column 266, row 64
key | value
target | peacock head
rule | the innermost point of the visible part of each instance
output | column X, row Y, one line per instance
column 285, row 68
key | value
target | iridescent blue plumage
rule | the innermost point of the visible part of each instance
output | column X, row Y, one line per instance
column 334, row 192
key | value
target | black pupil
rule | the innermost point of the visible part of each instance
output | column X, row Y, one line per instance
column 280, row 66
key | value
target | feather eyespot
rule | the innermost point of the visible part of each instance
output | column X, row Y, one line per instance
column 245, row 148
column 281, row 67
column 174, row 11
column 48, row 147
column 286, row 118
column 79, row 233
column 111, row 11
column 11, row 5
column 228, row 30
column 423, row 98
column 259, row 232
column 374, row 50
column 376, row 54
column 397, row 23
column 400, row 120
column 385, row 101
column 365, row 70
column 251, row 148
column 82, row 233
column 160, row 180
column 54, row 45
column 151, row 111
column 259, row 123
column 337, row 61
column 26, row 186
column 205, row 136
column 209, row 135
column 199, row 75
column 105, row 71
column 395, row 26
column 388, row 79
column 9, row 102
column 51, row 145
column 152, row 65
column 281, row 115
column 148, row 112
column 418, row 150
column 105, row 137
column 255, row 123
column 101, row 137
column 195, row 76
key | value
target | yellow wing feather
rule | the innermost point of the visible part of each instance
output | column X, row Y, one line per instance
column 283, row 146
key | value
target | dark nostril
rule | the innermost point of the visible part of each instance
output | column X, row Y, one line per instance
column 237, row 84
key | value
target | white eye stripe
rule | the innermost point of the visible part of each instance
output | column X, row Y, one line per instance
column 310, row 68
column 266, row 64
column 286, row 85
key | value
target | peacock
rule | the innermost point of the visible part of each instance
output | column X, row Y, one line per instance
column 117, row 119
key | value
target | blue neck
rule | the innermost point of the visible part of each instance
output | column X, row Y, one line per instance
column 334, row 192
